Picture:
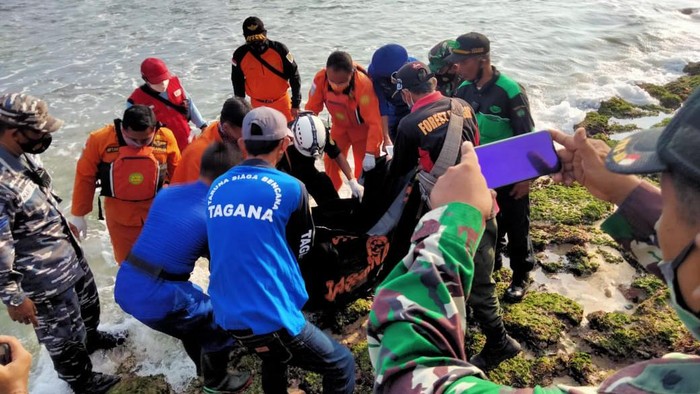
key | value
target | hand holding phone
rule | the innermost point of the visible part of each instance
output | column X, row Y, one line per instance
column 518, row 159
column 16, row 362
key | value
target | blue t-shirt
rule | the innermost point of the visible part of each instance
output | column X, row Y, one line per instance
column 255, row 280
column 173, row 237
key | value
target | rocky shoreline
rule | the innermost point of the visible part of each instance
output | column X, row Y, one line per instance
column 566, row 341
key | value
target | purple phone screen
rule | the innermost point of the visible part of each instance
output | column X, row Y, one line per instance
column 518, row 159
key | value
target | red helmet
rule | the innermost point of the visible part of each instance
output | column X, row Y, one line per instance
column 154, row 70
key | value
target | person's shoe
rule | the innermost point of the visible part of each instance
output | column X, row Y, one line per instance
column 235, row 382
column 517, row 289
column 492, row 355
column 100, row 340
column 98, row 383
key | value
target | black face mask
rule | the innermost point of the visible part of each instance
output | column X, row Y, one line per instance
column 36, row 146
column 445, row 78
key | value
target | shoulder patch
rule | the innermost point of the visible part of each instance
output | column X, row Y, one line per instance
column 234, row 62
column 112, row 149
column 364, row 99
column 177, row 93
column 289, row 57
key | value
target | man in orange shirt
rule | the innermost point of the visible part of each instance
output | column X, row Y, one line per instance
column 227, row 129
column 347, row 92
column 265, row 70
column 131, row 159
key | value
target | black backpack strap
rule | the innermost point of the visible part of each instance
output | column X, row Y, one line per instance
column 268, row 65
column 183, row 109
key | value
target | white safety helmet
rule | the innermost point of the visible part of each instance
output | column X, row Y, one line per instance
column 309, row 134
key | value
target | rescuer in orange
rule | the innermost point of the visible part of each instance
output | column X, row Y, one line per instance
column 131, row 159
column 164, row 93
column 265, row 70
column 227, row 129
column 347, row 92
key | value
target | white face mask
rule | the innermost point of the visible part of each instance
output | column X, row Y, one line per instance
column 408, row 99
column 136, row 144
column 160, row 87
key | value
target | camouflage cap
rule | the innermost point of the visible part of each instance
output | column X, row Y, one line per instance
column 24, row 111
column 437, row 55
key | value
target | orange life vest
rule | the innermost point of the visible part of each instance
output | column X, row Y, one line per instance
column 175, row 115
column 135, row 175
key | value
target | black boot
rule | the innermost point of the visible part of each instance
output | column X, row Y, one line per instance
column 217, row 379
column 518, row 287
column 495, row 353
column 97, row 383
column 98, row 340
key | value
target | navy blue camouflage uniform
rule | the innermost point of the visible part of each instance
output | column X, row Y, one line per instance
column 41, row 260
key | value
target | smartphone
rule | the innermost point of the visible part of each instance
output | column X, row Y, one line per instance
column 518, row 159
column 5, row 354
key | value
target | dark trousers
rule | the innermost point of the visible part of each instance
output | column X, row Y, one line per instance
column 65, row 322
column 195, row 327
column 317, row 183
column 514, row 220
column 311, row 350
column 482, row 299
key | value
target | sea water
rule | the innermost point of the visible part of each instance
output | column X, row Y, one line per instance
column 83, row 57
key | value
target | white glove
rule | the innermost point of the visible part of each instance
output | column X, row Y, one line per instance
column 357, row 189
column 368, row 163
column 80, row 224
column 389, row 151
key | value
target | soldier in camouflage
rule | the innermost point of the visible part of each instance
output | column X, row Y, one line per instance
column 44, row 277
column 417, row 323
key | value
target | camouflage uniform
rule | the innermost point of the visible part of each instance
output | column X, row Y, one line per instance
column 40, row 259
column 417, row 323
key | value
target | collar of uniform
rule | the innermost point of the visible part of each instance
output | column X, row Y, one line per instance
column 425, row 100
column 489, row 83
column 255, row 162
column 10, row 159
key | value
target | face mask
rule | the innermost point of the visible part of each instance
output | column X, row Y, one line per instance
column 689, row 319
column 137, row 144
column 445, row 78
column 36, row 146
column 406, row 98
column 160, row 87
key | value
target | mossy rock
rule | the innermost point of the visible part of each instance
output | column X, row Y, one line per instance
column 594, row 123
column 552, row 267
column 338, row 319
column 692, row 68
column 474, row 340
column 648, row 283
column 616, row 107
column 663, row 123
column 152, row 384
column 364, row 373
column 610, row 258
column 666, row 98
column 652, row 331
column 683, row 86
column 604, row 137
column 580, row 262
column 540, row 318
column 581, row 368
column 522, row 372
column 503, row 277
column 572, row 205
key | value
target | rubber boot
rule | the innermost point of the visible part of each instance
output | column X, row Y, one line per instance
column 495, row 353
column 217, row 379
column 101, row 340
column 97, row 383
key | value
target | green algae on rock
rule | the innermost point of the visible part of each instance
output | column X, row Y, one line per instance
column 522, row 372
column 672, row 94
column 152, row 384
column 580, row 262
column 540, row 318
column 581, row 368
column 663, row 123
column 617, row 107
column 572, row 205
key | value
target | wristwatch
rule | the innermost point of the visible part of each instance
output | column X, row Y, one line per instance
column 17, row 299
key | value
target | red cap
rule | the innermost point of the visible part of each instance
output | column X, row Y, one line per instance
column 154, row 70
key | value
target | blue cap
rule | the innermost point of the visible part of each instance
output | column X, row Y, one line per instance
column 387, row 59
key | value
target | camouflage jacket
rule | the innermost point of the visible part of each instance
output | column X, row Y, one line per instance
column 38, row 255
column 417, row 324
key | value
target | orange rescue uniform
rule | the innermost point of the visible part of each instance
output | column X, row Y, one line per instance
column 355, row 116
column 188, row 169
column 267, row 88
column 124, row 218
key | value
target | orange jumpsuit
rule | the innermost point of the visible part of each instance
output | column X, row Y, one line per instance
column 124, row 218
column 188, row 169
column 265, row 87
column 355, row 116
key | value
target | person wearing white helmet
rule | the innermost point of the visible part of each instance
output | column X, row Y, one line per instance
column 311, row 140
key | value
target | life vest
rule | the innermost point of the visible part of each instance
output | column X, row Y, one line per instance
column 344, row 107
column 135, row 175
column 173, row 113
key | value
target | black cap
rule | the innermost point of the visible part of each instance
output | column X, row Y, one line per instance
column 139, row 118
column 673, row 148
column 234, row 110
column 253, row 29
column 411, row 75
column 469, row 45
